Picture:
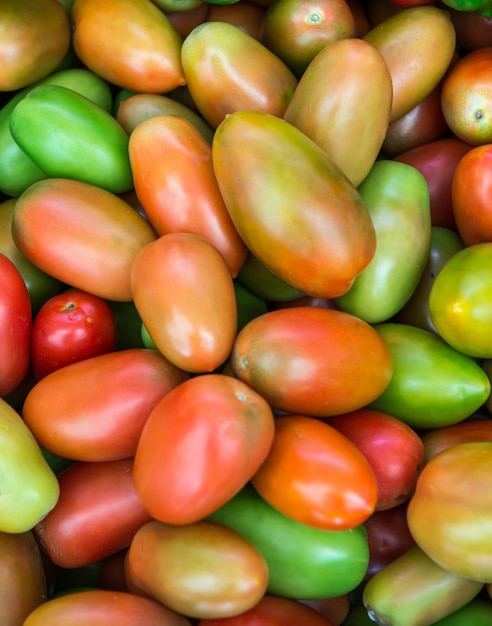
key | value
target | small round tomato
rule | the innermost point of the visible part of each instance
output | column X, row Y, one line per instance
column 70, row 327
column 316, row 476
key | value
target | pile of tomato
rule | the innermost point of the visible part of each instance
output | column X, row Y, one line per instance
column 245, row 313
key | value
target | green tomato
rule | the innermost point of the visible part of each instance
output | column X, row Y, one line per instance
column 128, row 325
column 433, row 385
column 397, row 198
column 249, row 305
column 303, row 562
column 265, row 284
column 477, row 612
column 460, row 301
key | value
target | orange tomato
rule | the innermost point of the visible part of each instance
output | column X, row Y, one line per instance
column 130, row 43
column 176, row 185
column 315, row 475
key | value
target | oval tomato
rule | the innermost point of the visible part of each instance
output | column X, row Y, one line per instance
column 203, row 570
column 341, row 350
column 439, row 439
column 246, row 15
column 15, row 327
column 220, row 423
column 316, row 476
column 70, row 327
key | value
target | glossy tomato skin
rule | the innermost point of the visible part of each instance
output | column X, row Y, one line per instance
column 439, row 439
column 84, row 528
column 295, row 210
column 316, row 476
column 70, row 327
column 303, row 562
column 15, row 325
column 115, row 394
column 449, row 513
column 202, row 570
column 334, row 347
column 221, row 424
column 100, row 607
column 81, row 234
column 394, row 450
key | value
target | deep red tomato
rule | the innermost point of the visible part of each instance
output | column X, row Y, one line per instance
column 15, row 327
column 315, row 475
column 70, row 327
column 393, row 449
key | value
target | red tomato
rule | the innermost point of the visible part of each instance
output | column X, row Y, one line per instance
column 115, row 394
column 246, row 15
column 272, row 611
column 394, row 451
column 335, row 609
column 315, row 475
column 97, row 514
column 15, row 327
column 100, row 607
column 70, row 327
column 200, row 445
column 471, row 190
column 439, row 439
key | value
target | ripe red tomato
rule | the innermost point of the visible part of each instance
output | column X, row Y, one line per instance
column 315, row 475
column 393, row 449
column 15, row 327
column 70, row 327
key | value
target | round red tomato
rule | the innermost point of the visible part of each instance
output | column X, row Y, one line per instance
column 70, row 327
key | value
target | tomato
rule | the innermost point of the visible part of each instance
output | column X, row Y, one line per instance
column 439, row 439
column 477, row 612
column 335, row 610
column 70, row 327
column 15, row 327
column 245, row 15
column 449, row 513
column 303, row 562
column 433, row 384
column 296, row 31
column 466, row 95
column 471, row 188
column 427, row 36
column 388, row 537
column 115, row 394
column 316, row 476
column 202, row 570
column 22, row 578
column 460, row 304
column 394, row 450
column 227, row 70
column 272, row 611
column 220, row 423
column 334, row 347
column 415, row 586
column 69, row 136
column 295, row 210
column 473, row 31
column 130, row 44
column 185, row 21
column 34, row 38
column 97, row 513
column 100, row 607
column 397, row 198
column 175, row 182
column 30, row 488
column 249, row 305
column 80, row 234
column 256, row 277
column 345, row 72
column 437, row 162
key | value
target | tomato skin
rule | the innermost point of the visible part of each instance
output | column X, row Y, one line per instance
column 184, row 293
column 220, row 423
column 308, row 225
column 303, row 562
column 246, row 15
column 256, row 277
column 332, row 345
column 476, row 612
column 175, row 182
column 203, row 570
column 100, row 607
column 272, row 611
column 439, row 439
column 433, row 384
column 228, row 70
column 394, row 450
column 70, row 327
column 131, row 44
column 15, row 327
column 84, row 528
column 115, row 394
column 82, row 235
